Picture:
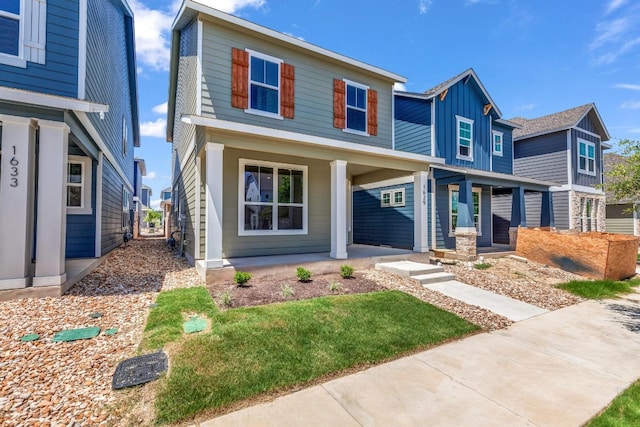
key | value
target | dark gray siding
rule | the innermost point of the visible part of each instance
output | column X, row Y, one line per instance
column 533, row 208
column 375, row 225
column 619, row 219
column 504, row 163
column 443, row 239
column 561, row 209
column 581, row 178
column 543, row 157
column 59, row 75
column 413, row 125
column 111, row 208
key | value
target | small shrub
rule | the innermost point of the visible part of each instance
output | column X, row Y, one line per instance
column 226, row 299
column 346, row 271
column 482, row 266
column 241, row 278
column 335, row 287
column 287, row 291
column 303, row 274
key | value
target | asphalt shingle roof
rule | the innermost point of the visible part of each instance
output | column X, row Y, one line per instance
column 550, row 123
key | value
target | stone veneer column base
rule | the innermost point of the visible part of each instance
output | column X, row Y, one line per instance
column 466, row 246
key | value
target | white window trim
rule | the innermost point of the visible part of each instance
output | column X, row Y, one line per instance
column 392, row 199
column 366, row 108
column 85, row 208
column 279, row 88
column 32, row 34
column 455, row 187
column 241, row 202
column 587, row 144
column 460, row 119
column 13, row 60
column 495, row 133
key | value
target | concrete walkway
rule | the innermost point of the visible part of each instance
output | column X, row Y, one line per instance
column 555, row 369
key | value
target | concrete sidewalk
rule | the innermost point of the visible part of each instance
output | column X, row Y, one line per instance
column 556, row 369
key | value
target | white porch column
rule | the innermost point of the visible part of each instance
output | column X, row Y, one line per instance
column 420, row 214
column 16, row 200
column 338, row 209
column 213, row 216
column 52, row 204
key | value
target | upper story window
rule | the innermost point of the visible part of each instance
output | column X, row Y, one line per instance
column 497, row 143
column 464, row 138
column 586, row 157
column 356, row 106
column 22, row 34
column 394, row 197
column 264, row 82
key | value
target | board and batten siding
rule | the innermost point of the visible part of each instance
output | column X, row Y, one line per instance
column 107, row 80
column 504, row 163
column 413, row 125
column 59, row 74
column 111, row 208
column 443, row 239
column 376, row 225
column 318, row 238
column 619, row 220
column 543, row 157
column 465, row 100
column 561, row 209
column 582, row 178
column 313, row 87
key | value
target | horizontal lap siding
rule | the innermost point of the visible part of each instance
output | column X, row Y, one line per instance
column 318, row 238
column 504, row 163
column 111, row 208
column 618, row 220
column 186, row 190
column 313, row 88
column 59, row 74
column 543, row 158
column 186, row 89
column 375, row 225
column 533, row 208
column 561, row 209
column 501, row 217
column 443, row 240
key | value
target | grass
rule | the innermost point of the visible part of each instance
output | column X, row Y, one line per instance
column 638, row 258
column 482, row 266
column 258, row 350
column 623, row 411
column 600, row 289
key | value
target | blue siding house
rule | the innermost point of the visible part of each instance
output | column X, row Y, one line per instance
column 456, row 121
column 68, row 126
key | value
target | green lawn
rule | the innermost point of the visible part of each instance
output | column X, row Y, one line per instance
column 624, row 411
column 600, row 289
column 251, row 351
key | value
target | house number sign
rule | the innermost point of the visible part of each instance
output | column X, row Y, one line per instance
column 13, row 174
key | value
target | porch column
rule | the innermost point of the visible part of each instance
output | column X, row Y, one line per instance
column 546, row 217
column 518, row 215
column 338, row 209
column 16, row 200
column 420, row 214
column 466, row 232
column 213, row 212
column 52, row 204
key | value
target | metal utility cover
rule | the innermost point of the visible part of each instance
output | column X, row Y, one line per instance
column 139, row 370
column 76, row 334
column 195, row 324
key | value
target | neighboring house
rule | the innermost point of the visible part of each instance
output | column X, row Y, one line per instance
column 165, row 207
column 621, row 215
column 566, row 148
column 139, row 171
column 69, row 119
column 270, row 133
column 460, row 123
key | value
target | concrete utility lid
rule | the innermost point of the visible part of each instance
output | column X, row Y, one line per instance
column 195, row 324
column 29, row 337
column 76, row 334
column 139, row 370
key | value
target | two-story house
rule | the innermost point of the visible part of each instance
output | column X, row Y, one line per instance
column 69, row 122
column 456, row 121
column 269, row 135
column 165, row 208
column 567, row 148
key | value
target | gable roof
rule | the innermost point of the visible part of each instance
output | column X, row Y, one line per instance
column 560, row 121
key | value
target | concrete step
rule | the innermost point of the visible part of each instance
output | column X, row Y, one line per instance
column 426, row 279
column 408, row 268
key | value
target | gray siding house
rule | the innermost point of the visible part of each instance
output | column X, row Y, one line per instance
column 566, row 148
column 622, row 215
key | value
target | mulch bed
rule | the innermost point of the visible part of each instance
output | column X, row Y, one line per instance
column 268, row 290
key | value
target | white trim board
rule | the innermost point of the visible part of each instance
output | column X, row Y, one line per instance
column 580, row 188
column 51, row 101
column 386, row 183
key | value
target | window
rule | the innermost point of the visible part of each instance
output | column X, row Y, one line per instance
column 273, row 198
column 264, row 84
column 22, row 32
column 356, row 107
column 10, row 27
column 125, row 208
column 78, row 185
column 390, row 198
column 464, row 138
column 586, row 157
column 497, row 143
column 453, row 208
column 125, row 135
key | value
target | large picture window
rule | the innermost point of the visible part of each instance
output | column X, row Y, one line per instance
column 273, row 198
column 454, row 194
column 464, row 133
column 586, row 157
column 356, row 107
column 264, row 84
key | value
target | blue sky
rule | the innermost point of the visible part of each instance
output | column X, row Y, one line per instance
column 534, row 57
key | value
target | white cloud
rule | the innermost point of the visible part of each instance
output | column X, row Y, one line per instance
column 232, row 6
column 424, row 5
column 160, row 108
column 637, row 130
column 525, row 107
column 399, row 87
column 614, row 4
column 631, row 105
column 150, row 175
column 627, row 86
column 155, row 204
column 616, row 37
column 155, row 129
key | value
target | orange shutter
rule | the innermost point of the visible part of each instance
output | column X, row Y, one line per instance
column 372, row 112
column 287, row 78
column 239, row 78
column 339, row 114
